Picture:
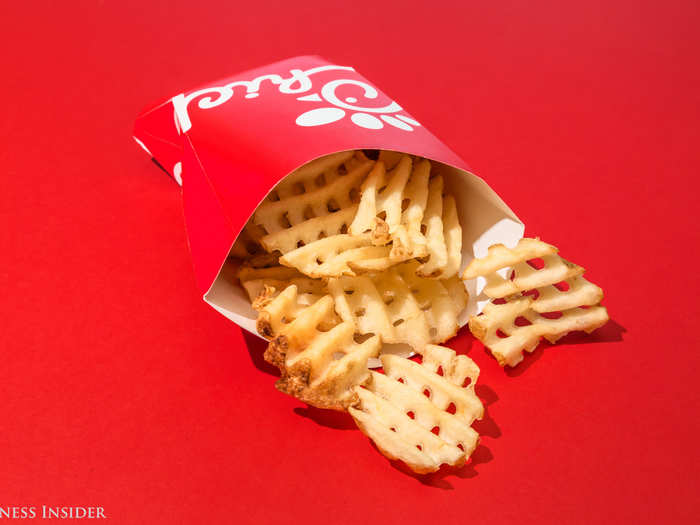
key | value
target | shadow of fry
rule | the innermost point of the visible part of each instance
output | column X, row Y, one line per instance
column 256, row 348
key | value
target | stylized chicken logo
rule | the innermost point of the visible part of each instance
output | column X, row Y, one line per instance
column 365, row 117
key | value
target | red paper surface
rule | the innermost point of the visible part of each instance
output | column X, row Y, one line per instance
column 120, row 388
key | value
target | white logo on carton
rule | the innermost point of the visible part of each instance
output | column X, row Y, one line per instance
column 299, row 82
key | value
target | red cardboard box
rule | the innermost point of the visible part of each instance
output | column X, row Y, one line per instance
column 230, row 142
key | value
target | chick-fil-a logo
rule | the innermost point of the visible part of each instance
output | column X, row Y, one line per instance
column 300, row 82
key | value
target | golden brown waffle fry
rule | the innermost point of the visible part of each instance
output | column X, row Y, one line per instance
column 338, row 255
column 383, row 306
column 386, row 202
column 309, row 231
column 307, row 194
column 501, row 318
column 420, row 413
column 277, row 310
column 518, row 324
column 381, row 206
column 400, row 306
column 499, row 256
column 390, row 158
column 306, row 178
column 261, row 290
column 406, row 208
column 441, row 300
column 452, row 232
column 320, row 366
column 434, row 233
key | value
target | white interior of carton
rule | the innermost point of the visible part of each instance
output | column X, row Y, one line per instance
column 485, row 220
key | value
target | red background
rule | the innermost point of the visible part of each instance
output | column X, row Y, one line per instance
column 119, row 387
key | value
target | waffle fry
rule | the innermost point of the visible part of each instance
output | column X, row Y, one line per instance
column 400, row 306
column 339, row 255
column 306, row 194
column 520, row 321
column 441, row 300
column 383, row 306
column 434, row 234
column 277, row 309
column 382, row 196
column 262, row 290
column 499, row 256
column 307, row 232
column 502, row 318
column 320, row 366
column 405, row 208
column 390, row 158
column 380, row 210
column 452, row 233
column 419, row 416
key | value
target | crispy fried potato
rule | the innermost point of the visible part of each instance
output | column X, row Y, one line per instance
column 277, row 309
column 383, row 306
column 260, row 290
column 305, row 195
column 434, row 233
column 404, row 208
column 499, row 257
column 516, row 323
column 318, row 366
column 441, row 300
column 400, row 306
column 338, row 255
column 501, row 318
column 418, row 415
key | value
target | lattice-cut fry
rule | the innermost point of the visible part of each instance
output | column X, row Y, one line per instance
column 400, row 306
column 390, row 158
column 419, row 416
column 392, row 205
column 321, row 367
column 276, row 311
column 405, row 207
column 261, row 290
column 528, row 277
column 499, row 319
column 458, row 293
column 434, row 233
column 304, row 179
column 542, row 300
column 299, row 201
column 408, row 238
column 365, row 219
column 374, row 202
column 383, row 306
column 453, row 237
column 338, row 255
column 441, row 301
column 580, row 292
column 499, row 256
column 309, row 231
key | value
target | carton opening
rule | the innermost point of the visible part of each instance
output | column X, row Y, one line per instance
column 485, row 220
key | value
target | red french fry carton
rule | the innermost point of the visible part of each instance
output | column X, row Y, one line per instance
column 228, row 143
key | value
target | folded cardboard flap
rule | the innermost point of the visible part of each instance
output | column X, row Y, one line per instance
column 484, row 217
